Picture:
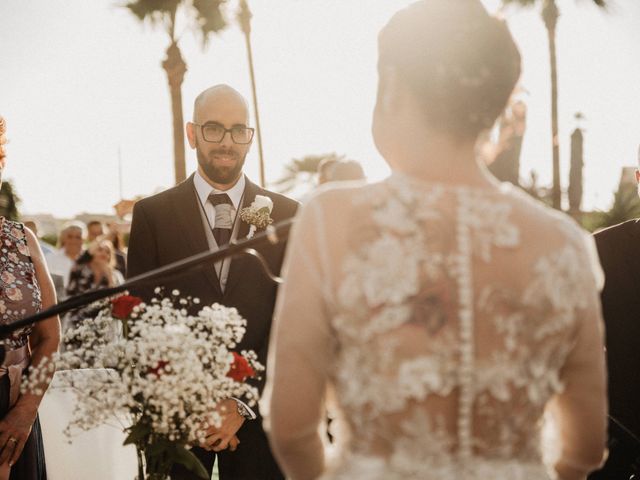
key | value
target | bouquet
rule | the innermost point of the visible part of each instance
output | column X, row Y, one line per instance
column 167, row 371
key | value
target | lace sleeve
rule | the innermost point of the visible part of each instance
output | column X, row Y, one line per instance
column 300, row 353
column 580, row 411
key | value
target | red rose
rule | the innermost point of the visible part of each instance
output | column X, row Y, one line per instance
column 122, row 307
column 156, row 370
column 240, row 369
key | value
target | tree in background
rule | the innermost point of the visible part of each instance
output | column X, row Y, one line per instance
column 575, row 173
column 303, row 172
column 626, row 206
column 244, row 19
column 533, row 188
column 550, row 14
column 9, row 201
column 206, row 17
column 505, row 154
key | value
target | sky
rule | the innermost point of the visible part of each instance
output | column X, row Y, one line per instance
column 81, row 85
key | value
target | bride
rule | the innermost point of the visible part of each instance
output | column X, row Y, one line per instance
column 440, row 312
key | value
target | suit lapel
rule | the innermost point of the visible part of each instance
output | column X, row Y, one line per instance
column 238, row 263
column 187, row 214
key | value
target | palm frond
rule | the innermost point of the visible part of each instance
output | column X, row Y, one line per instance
column 519, row 3
column 210, row 17
column 154, row 11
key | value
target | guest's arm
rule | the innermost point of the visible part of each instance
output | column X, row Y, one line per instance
column 44, row 340
column 299, row 356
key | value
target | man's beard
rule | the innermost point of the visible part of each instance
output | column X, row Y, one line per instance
column 221, row 175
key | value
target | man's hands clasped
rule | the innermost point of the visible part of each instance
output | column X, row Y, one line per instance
column 223, row 437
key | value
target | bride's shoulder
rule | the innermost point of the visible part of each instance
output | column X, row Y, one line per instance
column 545, row 219
column 344, row 194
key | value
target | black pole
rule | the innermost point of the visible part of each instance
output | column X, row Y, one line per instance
column 273, row 234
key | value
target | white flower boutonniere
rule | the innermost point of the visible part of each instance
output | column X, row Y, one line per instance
column 258, row 214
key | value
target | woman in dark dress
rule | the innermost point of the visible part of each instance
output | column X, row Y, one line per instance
column 25, row 288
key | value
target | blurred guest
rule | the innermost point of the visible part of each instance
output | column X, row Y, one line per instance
column 95, row 230
column 26, row 289
column 621, row 308
column 324, row 169
column 94, row 269
column 332, row 170
column 116, row 238
column 69, row 249
column 44, row 246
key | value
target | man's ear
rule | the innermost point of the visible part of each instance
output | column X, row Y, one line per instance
column 638, row 176
column 191, row 134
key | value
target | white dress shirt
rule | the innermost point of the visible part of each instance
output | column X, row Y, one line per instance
column 203, row 189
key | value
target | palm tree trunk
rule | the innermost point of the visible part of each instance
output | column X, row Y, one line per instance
column 550, row 16
column 244, row 16
column 175, row 67
column 575, row 174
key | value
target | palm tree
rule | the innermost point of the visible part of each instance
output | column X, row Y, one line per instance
column 244, row 18
column 626, row 206
column 303, row 171
column 550, row 14
column 206, row 18
column 575, row 173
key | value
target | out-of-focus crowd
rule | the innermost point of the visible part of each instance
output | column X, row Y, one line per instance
column 87, row 256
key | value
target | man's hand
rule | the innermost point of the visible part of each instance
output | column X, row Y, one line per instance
column 223, row 437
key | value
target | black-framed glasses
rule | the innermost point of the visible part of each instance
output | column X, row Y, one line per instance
column 214, row 133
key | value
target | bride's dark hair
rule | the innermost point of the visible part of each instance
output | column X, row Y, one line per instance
column 461, row 63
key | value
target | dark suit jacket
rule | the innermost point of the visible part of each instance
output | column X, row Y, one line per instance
column 619, row 252
column 168, row 227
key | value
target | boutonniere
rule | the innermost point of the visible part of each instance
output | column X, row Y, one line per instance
column 258, row 214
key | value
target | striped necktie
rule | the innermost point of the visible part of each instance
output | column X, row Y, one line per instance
column 224, row 217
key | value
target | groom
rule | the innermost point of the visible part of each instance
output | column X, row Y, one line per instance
column 202, row 213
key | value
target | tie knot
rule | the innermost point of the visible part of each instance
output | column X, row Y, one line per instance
column 219, row 199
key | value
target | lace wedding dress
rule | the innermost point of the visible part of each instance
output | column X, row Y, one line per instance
column 443, row 320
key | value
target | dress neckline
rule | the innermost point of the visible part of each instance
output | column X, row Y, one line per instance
column 498, row 188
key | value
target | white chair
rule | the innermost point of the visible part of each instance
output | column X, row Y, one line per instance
column 97, row 454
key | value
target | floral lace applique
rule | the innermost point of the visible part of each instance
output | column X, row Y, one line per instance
column 411, row 268
column 19, row 291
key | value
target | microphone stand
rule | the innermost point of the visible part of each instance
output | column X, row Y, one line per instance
column 272, row 235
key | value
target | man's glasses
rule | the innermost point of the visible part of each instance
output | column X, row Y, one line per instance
column 214, row 133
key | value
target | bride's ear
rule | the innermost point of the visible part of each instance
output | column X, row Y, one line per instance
column 388, row 89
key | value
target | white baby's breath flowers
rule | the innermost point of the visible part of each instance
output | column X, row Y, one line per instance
column 170, row 372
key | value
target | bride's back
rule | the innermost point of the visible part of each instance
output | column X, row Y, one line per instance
column 455, row 313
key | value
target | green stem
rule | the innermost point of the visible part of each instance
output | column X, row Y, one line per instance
column 140, row 453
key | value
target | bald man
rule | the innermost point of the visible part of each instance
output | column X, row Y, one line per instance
column 202, row 213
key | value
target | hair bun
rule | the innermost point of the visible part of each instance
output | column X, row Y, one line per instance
column 460, row 62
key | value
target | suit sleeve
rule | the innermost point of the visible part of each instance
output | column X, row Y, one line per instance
column 142, row 254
